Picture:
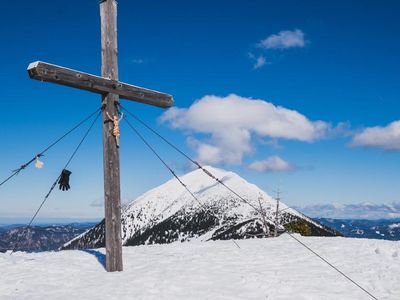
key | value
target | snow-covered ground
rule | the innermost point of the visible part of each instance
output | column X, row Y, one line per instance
column 277, row 268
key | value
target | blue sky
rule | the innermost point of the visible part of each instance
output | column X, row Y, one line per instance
column 333, row 62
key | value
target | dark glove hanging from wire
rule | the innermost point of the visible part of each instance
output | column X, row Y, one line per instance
column 64, row 180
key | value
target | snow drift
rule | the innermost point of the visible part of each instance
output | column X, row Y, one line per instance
column 276, row 268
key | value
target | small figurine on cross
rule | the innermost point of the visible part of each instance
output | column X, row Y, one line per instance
column 116, row 120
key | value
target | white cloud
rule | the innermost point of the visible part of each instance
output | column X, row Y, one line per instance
column 230, row 124
column 284, row 39
column 259, row 61
column 271, row 164
column 138, row 61
column 387, row 137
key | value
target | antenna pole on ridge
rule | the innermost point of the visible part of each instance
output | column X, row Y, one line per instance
column 278, row 198
column 266, row 228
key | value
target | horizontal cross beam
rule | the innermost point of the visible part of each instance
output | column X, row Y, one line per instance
column 84, row 81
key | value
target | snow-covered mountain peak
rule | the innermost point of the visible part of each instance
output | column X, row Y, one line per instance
column 197, row 181
column 202, row 208
column 170, row 197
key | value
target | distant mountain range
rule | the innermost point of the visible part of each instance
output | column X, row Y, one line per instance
column 51, row 237
column 366, row 211
column 368, row 229
column 169, row 213
column 39, row 238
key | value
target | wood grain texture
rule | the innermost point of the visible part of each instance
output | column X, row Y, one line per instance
column 112, row 194
column 107, row 84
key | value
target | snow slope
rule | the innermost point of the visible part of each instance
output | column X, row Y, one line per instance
column 169, row 212
column 275, row 268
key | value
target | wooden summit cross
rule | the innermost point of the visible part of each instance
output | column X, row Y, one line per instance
column 111, row 90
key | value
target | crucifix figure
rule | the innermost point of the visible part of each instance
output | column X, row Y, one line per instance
column 116, row 132
column 111, row 89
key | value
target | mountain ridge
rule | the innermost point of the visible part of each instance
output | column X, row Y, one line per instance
column 365, row 210
column 39, row 237
column 169, row 213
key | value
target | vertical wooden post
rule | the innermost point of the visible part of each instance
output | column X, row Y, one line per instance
column 112, row 197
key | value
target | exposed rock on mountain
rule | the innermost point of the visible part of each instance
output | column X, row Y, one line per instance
column 169, row 213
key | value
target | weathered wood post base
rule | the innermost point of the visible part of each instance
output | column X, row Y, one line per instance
column 112, row 197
